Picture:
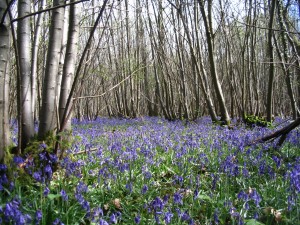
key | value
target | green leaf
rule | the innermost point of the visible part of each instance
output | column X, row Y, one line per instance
column 53, row 196
column 254, row 222
column 204, row 197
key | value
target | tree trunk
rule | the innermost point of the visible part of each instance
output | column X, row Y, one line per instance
column 209, row 38
column 69, row 65
column 4, row 56
column 24, row 49
column 34, row 57
column 271, row 64
column 48, row 117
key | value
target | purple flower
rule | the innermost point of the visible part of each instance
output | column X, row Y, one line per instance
column 168, row 217
column 46, row 191
column 157, row 204
column 103, row 222
column 3, row 168
column 216, row 217
column 81, row 188
column 113, row 219
column 137, row 219
column 38, row 176
column 177, row 198
column 129, row 187
column 38, row 216
column 144, row 189
column 48, row 172
column 255, row 196
column 57, row 221
column 18, row 160
column 64, row 195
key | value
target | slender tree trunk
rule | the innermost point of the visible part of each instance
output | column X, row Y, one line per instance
column 24, row 51
column 286, row 69
column 48, row 113
column 34, row 57
column 209, row 38
column 69, row 65
column 271, row 64
column 4, row 87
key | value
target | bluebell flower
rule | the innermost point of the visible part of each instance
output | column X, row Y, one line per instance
column 216, row 217
column 57, row 221
column 129, row 187
column 64, row 195
column 166, row 198
column 277, row 161
column 137, row 219
column 46, row 191
column 185, row 216
column 3, row 168
column 157, row 204
column 144, row 189
column 168, row 217
column 113, row 219
column 254, row 196
column 48, row 172
column 177, row 198
column 81, row 188
column 53, row 158
column 38, row 216
column 43, row 146
column 38, row 176
column 103, row 222
column 18, row 160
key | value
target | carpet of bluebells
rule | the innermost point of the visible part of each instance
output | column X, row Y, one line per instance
column 153, row 171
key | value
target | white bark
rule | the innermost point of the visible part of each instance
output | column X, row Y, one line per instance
column 24, row 60
column 69, row 64
column 35, row 48
column 48, row 117
column 4, row 56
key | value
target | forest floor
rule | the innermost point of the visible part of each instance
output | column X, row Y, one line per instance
column 153, row 171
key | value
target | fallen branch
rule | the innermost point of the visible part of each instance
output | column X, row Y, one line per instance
column 282, row 133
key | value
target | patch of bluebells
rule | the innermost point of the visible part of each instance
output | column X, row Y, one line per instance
column 3, row 177
column 146, row 143
column 11, row 213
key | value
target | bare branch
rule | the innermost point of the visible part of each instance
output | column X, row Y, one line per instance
column 46, row 10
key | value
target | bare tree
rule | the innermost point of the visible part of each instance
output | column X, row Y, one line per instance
column 69, row 64
column 207, row 19
column 271, row 63
column 49, row 110
column 4, row 88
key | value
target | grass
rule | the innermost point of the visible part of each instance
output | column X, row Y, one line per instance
column 151, row 171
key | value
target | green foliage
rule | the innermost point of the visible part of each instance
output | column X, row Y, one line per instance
column 252, row 120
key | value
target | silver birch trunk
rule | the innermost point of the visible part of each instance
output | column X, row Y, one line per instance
column 69, row 64
column 4, row 56
column 34, row 65
column 24, row 60
column 48, row 112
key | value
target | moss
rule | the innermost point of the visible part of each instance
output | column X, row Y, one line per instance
column 252, row 120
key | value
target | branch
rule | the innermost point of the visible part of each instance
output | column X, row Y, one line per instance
column 266, row 28
column 122, row 81
column 6, row 10
column 281, row 132
column 46, row 10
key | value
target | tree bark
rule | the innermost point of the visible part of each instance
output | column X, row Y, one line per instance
column 271, row 64
column 48, row 117
column 209, row 39
column 69, row 64
column 24, row 54
column 4, row 87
